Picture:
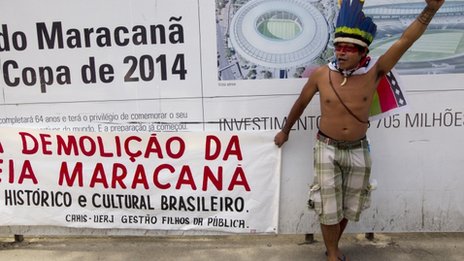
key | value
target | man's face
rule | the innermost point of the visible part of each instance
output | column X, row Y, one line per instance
column 348, row 55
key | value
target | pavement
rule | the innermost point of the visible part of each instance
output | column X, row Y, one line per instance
column 391, row 246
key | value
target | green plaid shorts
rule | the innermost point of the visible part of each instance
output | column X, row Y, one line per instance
column 341, row 182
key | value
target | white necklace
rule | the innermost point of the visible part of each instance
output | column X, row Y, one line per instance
column 346, row 74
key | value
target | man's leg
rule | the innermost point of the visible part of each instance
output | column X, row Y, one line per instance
column 330, row 234
column 343, row 225
column 329, row 176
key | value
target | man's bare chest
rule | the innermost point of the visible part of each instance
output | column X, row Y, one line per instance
column 356, row 90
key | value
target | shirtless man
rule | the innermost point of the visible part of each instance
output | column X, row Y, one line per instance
column 338, row 126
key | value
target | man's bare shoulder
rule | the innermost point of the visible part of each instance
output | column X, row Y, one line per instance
column 321, row 70
column 317, row 74
column 377, row 70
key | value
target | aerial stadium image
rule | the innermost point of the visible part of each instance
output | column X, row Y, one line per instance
column 272, row 39
column 439, row 50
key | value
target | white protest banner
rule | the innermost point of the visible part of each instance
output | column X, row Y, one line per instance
column 168, row 181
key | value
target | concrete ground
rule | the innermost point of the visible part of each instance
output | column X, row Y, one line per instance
column 395, row 246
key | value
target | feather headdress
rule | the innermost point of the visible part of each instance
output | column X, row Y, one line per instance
column 353, row 26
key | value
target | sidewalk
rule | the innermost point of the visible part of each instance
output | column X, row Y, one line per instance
column 395, row 246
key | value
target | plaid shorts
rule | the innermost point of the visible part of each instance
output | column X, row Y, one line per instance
column 341, row 183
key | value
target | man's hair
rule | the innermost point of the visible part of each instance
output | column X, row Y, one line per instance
column 362, row 48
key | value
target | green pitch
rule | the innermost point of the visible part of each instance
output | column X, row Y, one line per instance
column 433, row 45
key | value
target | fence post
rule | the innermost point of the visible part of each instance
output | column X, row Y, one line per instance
column 309, row 239
column 370, row 236
column 18, row 238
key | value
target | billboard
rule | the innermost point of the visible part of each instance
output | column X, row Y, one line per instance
column 237, row 66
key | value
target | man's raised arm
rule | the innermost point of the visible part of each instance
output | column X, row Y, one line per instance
column 389, row 59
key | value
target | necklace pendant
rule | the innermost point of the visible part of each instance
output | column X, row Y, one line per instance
column 344, row 81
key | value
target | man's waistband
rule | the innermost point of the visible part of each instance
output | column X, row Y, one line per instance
column 341, row 144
